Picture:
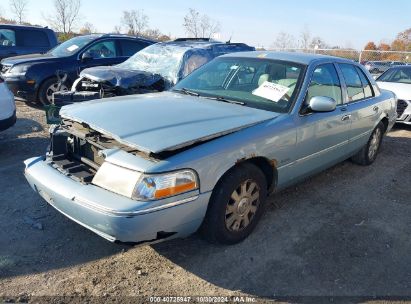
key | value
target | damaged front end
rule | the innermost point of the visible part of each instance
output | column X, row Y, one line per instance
column 115, row 81
column 78, row 151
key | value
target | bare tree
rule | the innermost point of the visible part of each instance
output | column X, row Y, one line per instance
column 318, row 43
column 305, row 37
column 200, row 26
column 88, row 28
column 65, row 15
column 153, row 34
column 18, row 8
column 135, row 21
column 284, row 41
column 117, row 29
column 209, row 27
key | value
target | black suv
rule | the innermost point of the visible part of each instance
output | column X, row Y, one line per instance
column 21, row 40
column 34, row 77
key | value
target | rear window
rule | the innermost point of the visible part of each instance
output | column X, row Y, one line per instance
column 33, row 38
column 353, row 81
column 7, row 38
column 130, row 47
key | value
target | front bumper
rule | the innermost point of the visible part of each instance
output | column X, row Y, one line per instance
column 9, row 122
column 114, row 217
column 404, row 112
column 20, row 87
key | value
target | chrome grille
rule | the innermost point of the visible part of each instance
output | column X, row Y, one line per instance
column 401, row 106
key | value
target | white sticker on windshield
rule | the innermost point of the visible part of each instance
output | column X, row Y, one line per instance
column 271, row 91
column 72, row 48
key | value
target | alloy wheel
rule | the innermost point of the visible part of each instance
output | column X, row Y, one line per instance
column 54, row 88
column 374, row 143
column 242, row 206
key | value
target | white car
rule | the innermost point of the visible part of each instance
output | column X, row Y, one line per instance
column 398, row 80
column 7, row 107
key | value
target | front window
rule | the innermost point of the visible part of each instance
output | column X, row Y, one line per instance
column 72, row 46
column 161, row 59
column 259, row 83
column 401, row 75
column 325, row 82
column 103, row 49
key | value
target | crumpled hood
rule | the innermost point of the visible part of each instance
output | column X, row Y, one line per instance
column 167, row 121
column 123, row 78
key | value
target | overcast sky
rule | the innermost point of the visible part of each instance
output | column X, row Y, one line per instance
column 348, row 23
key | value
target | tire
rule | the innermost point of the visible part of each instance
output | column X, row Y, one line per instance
column 368, row 154
column 226, row 218
column 47, row 88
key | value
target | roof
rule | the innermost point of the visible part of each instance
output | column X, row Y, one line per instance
column 127, row 36
column 25, row 26
column 302, row 58
column 200, row 43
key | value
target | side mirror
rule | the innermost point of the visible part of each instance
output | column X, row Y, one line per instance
column 322, row 104
column 86, row 57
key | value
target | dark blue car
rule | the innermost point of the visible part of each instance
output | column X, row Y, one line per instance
column 34, row 77
column 22, row 40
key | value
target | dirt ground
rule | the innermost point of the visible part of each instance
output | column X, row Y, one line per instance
column 344, row 232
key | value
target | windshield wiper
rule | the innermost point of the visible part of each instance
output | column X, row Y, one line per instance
column 188, row 92
column 223, row 99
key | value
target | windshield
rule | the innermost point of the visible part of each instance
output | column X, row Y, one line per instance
column 258, row 83
column 157, row 59
column 400, row 75
column 71, row 46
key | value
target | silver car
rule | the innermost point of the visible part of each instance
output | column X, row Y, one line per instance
column 7, row 107
column 208, row 153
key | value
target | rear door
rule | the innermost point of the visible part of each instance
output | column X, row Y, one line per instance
column 360, row 103
column 30, row 41
column 131, row 46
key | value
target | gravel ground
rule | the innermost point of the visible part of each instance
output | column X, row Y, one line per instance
column 344, row 232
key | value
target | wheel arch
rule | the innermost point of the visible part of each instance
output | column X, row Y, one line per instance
column 268, row 168
column 385, row 122
column 69, row 82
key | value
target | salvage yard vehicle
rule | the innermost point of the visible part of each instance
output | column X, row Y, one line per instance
column 398, row 80
column 378, row 67
column 7, row 107
column 206, row 154
column 33, row 77
column 22, row 40
column 154, row 69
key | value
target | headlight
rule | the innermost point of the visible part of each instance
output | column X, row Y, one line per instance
column 159, row 186
column 144, row 187
column 18, row 70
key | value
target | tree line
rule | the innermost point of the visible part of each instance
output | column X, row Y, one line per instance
column 392, row 51
column 66, row 15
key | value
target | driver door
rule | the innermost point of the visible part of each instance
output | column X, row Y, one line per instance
column 102, row 53
column 322, row 137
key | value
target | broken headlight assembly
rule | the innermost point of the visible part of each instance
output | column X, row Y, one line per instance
column 145, row 187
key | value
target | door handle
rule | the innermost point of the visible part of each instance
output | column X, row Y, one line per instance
column 346, row 117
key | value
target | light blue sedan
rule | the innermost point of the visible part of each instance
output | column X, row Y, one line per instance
column 207, row 154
